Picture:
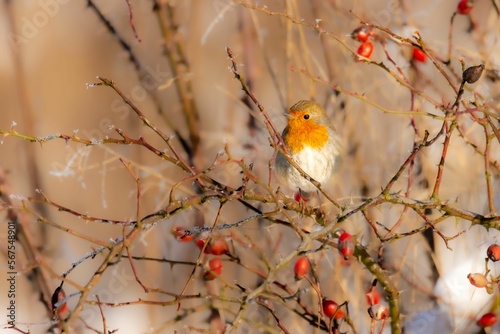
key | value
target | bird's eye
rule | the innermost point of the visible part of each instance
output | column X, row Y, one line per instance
column 306, row 116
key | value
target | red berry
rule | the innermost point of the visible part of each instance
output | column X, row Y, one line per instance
column 362, row 33
column 365, row 49
column 419, row 55
column 488, row 319
column 301, row 267
column 215, row 266
column 372, row 296
column 493, row 252
column 218, row 247
column 464, row 7
column 329, row 307
column 181, row 234
column 345, row 245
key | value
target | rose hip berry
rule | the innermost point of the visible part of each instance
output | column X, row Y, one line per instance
column 464, row 7
column 478, row 280
column 218, row 247
column 488, row 319
column 346, row 245
column 301, row 267
column 329, row 307
column 493, row 252
column 215, row 266
column 372, row 296
column 419, row 55
column 201, row 243
column 362, row 33
column 365, row 49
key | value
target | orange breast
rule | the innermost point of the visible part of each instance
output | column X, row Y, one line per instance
column 303, row 133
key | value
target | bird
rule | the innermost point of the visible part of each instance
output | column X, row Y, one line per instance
column 313, row 143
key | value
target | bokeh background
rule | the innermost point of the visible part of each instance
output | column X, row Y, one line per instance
column 53, row 49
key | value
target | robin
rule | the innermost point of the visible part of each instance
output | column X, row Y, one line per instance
column 313, row 144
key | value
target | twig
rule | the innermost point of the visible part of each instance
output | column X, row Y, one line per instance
column 450, row 37
column 180, row 67
column 131, row 22
column 124, row 44
column 134, row 271
column 96, row 277
column 431, row 224
column 271, row 129
column 487, row 170
column 138, row 196
column 494, row 3
column 265, row 304
column 103, row 317
column 407, row 162
column 149, row 124
column 200, row 255
column 448, row 131
column 23, row 238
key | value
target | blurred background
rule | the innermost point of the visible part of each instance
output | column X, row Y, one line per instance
column 53, row 50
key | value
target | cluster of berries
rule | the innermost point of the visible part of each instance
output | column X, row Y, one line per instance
column 215, row 246
column 479, row 280
column 364, row 33
column 330, row 308
column 345, row 246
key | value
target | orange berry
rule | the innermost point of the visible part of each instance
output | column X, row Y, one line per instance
column 478, row 280
column 301, row 267
column 218, row 247
column 340, row 314
column 215, row 266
